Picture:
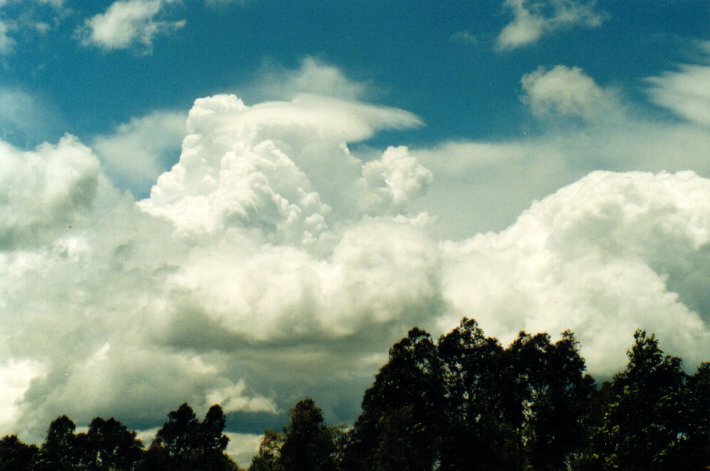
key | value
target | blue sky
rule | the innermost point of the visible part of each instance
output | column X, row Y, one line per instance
column 245, row 202
column 437, row 59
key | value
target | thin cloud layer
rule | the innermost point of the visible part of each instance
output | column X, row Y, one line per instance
column 23, row 16
column 138, row 151
column 127, row 23
column 533, row 19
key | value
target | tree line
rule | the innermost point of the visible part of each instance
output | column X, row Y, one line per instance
column 463, row 402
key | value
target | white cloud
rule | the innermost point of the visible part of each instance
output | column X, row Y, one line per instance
column 597, row 257
column 44, row 190
column 272, row 261
column 127, row 23
column 15, row 379
column 311, row 77
column 533, row 19
column 566, row 91
column 232, row 398
column 245, row 166
column 685, row 91
column 138, row 151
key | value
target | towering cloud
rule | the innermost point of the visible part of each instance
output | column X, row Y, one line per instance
column 274, row 260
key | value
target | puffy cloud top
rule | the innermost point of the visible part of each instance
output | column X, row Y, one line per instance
column 567, row 91
column 242, row 166
column 274, row 258
column 43, row 189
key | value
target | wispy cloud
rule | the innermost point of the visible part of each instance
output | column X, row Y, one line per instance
column 21, row 16
column 127, row 23
column 140, row 150
column 464, row 37
column 533, row 19
column 685, row 91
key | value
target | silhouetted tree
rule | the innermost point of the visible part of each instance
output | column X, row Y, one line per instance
column 16, row 455
column 475, row 431
column 308, row 443
column 184, row 443
column 108, row 445
column 557, row 405
column 644, row 420
column 268, row 457
column 405, row 400
column 694, row 447
column 59, row 451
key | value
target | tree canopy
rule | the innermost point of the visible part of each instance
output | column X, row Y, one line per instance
column 462, row 403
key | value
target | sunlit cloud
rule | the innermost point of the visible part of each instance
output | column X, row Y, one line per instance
column 127, row 23
column 533, row 19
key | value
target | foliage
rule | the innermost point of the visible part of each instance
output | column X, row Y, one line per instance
column 464, row 403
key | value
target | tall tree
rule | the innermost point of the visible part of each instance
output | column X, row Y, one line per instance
column 308, row 443
column 59, row 451
column 185, row 443
column 213, row 442
column 644, row 418
column 475, row 432
column 405, row 401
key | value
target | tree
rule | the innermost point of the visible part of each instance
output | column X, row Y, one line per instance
column 59, row 452
column 109, row 445
column 694, row 449
column 645, row 420
column 16, row 455
column 406, row 399
column 548, row 399
column 476, row 432
column 269, row 456
column 185, row 443
column 308, row 443
column 212, row 442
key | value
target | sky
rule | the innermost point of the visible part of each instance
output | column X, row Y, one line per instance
column 248, row 201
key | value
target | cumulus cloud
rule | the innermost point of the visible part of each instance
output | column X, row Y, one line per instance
column 597, row 257
column 562, row 90
column 127, row 23
column 44, row 189
column 533, row 19
column 139, row 150
column 685, row 91
column 273, row 260
column 243, row 165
